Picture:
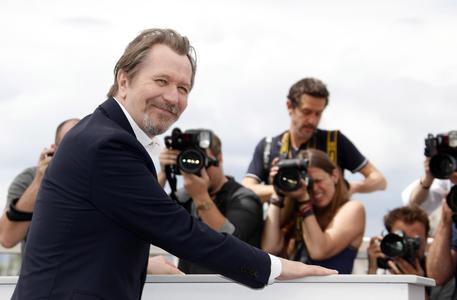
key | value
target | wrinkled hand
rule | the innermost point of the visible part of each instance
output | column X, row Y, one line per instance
column 168, row 157
column 400, row 266
column 196, row 186
column 296, row 269
column 158, row 265
column 44, row 160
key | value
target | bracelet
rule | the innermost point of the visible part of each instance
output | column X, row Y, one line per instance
column 306, row 210
column 278, row 201
column 16, row 215
column 423, row 186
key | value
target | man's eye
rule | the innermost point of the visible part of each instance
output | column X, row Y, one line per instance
column 183, row 90
column 161, row 82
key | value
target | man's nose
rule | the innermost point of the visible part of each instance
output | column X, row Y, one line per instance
column 171, row 94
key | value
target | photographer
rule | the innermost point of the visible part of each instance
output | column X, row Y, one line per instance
column 316, row 223
column 306, row 102
column 217, row 200
column 429, row 190
column 22, row 193
column 413, row 222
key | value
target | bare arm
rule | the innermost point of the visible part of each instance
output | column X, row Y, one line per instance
column 421, row 191
column 263, row 191
column 441, row 258
column 373, row 181
column 272, row 237
column 13, row 232
column 346, row 229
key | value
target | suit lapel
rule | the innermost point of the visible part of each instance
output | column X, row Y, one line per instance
column 112, row 109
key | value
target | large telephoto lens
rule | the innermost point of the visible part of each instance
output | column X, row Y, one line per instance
column 392, row 245
column 191, row 160
column 442, row 165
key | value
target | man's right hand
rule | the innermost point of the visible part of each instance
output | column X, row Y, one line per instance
column 168, row 157
column 43, row 162
column 296, row 269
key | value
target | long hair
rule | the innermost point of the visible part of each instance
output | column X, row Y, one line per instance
column 319, row 159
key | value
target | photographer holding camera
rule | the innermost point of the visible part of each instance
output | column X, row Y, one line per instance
column 22, row 193
column 306, row 102
column 407, row 226
column 208, row 194
column 311, row 218
column 440, row 174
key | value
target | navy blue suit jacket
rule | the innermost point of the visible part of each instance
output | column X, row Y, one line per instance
column 98, row 210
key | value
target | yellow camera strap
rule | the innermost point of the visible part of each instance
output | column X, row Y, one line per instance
column 332, row 138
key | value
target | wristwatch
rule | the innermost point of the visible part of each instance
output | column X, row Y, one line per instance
column 205, row 205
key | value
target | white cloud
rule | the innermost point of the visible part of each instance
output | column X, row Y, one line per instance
column 390, row 66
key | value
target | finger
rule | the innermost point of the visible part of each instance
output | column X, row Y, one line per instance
column 393, row 267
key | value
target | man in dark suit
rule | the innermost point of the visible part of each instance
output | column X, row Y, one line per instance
column 92, row 227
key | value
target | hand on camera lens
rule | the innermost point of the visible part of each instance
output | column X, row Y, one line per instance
column 273, row 170
column 195, row 185
column 399, row 265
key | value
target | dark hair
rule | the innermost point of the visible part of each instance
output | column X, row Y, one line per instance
column 408, row 215
column 57, row 137
column 309, row 86
column 137, row 50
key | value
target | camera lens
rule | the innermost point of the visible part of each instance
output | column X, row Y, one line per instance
column 191, row 160
column 287, row 180
column 451, row 198
column 442, row 165
column 392, row 245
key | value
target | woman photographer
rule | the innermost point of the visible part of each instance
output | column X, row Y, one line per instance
column 316, row 224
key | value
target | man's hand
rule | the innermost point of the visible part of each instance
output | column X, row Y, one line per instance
column 196, row 186
column 43, row 162
column 168, row 157
column 400, row 266
column 296, row 269
column 158, row 265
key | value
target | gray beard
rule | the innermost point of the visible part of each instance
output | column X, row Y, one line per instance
column 150, row 129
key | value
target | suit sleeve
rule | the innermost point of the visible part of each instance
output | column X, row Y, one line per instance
column 124, row 189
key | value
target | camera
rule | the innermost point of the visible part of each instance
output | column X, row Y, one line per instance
column 398, row 244
column 442, row 149
column 193, row 144
column 289, row 174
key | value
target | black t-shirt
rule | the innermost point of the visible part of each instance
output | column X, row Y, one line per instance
column 241, row 207
column 348, row 156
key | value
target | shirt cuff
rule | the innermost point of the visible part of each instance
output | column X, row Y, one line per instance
column 276, row 268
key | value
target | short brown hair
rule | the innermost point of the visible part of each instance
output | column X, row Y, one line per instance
column 137, row 50
column 309, row 86
column 408, row 215
column 216, row 145
column 57, row 137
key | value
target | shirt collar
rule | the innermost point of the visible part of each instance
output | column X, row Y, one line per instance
column 152, row 146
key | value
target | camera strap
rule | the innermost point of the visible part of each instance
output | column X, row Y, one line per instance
column 172, row 180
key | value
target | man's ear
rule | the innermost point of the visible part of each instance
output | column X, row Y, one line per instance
column 290, row 106
column 122, row 83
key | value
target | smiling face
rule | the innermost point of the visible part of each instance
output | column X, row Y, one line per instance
column 157, row 95
column 323, row 186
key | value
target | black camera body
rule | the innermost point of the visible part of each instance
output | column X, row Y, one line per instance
column 192, row 144
column 442, row 150
column 398, row 244
column 290, row 172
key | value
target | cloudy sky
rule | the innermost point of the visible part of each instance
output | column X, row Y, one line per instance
column 390, row 66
